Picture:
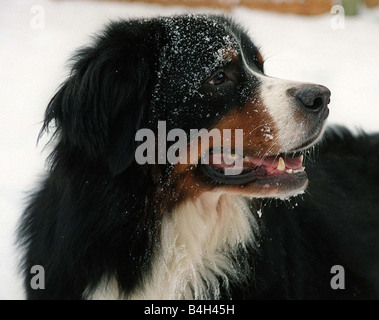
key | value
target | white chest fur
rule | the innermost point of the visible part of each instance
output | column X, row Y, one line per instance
column 199, row 242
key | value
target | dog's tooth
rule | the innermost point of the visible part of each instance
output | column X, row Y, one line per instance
column 281, row 164
column 290, row 171
column 301, row 158
column 299, row 170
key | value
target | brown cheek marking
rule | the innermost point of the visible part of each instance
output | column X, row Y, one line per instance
column 229, row 53
column 187, row 182
column 184, row 185
column 257, row 125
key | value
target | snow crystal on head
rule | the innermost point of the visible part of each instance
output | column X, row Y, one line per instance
column 197, row 45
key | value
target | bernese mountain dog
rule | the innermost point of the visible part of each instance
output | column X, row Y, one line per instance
column 103, row 225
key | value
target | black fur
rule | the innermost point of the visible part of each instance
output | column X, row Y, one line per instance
column 90, row 207
column 95, row 213
column 336, row 222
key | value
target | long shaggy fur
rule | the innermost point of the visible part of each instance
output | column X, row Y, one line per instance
column 103, row 226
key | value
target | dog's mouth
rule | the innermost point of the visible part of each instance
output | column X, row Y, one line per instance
column 283, row 172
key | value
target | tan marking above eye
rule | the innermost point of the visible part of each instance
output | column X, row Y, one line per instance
column 227, row 53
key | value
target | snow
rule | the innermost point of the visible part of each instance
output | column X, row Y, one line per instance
column 33, row 64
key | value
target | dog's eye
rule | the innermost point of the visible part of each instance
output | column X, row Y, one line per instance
column 218, row 79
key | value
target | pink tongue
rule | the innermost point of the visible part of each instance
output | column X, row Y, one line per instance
column 293, row 163
column 270, row 162
column 273, row 161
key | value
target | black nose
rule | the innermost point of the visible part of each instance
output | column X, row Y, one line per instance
column 313, row 98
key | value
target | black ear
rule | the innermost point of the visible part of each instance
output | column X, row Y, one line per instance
column 101, row 106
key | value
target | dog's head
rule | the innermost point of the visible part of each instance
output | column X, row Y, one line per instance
column 192, row 72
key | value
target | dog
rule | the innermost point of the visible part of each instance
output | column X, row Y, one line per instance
column 104, row 226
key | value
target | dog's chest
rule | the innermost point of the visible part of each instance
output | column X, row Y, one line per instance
column 199, row 242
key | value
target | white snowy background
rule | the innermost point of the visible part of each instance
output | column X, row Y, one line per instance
column 33, row 64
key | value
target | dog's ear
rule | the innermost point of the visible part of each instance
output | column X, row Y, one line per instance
column 101, row 106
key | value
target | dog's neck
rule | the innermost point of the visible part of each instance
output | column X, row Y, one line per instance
column 199, row 241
